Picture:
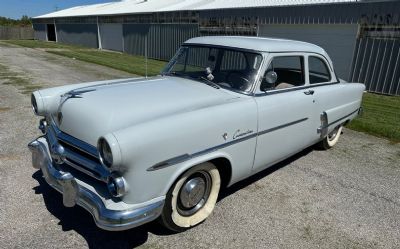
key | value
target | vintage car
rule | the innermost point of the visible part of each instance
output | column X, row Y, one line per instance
column 135, row 150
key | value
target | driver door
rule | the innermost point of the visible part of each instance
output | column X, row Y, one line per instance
column 285, row 111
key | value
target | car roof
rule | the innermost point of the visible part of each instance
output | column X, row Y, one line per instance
column 258, row 44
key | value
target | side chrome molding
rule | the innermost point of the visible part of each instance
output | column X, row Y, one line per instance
column 186, row 157
column 323, row 129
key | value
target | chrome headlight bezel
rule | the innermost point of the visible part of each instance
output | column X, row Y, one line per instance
column 34, row 104
column 105, row 152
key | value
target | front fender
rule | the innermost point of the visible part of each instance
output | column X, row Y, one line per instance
column 195, row 136
column 183, row 167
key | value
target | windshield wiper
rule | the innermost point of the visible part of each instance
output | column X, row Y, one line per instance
column 209, row 82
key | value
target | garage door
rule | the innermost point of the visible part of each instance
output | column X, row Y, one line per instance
column 111, row 36
column 338, row 40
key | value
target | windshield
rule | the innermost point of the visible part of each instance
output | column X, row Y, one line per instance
column 220, row 67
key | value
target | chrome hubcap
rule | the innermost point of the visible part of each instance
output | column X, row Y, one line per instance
column 194, row 193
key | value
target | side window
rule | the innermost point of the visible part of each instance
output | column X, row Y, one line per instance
column 289, row 71
column 318, row 70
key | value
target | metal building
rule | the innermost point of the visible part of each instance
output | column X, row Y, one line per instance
column 362, row 37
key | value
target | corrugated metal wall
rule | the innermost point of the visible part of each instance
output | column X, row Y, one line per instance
column 111, row 36
column 162, row 39
column 164, row 33
column 40, row 31
column 338, row 40
column 377, row 64
column 78, row 34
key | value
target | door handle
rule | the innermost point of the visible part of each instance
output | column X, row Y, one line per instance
column 309, row 92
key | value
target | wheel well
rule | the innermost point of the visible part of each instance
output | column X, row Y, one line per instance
column 225, row 170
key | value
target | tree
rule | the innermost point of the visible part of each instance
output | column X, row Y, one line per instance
column 24, row 21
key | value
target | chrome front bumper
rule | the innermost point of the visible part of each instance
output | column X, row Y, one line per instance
column 74, row 193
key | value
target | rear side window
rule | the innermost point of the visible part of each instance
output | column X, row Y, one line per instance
column 318, row 70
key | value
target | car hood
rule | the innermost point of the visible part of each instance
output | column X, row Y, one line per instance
column 91, row 112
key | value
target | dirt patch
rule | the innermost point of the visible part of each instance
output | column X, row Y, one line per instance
column 4, row 109
column 22, row 83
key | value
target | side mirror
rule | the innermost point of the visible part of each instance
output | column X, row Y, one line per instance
column 269, row 81
column 271, row 77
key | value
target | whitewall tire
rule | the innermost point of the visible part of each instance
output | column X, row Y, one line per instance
column 192, row 198
column 331, row 139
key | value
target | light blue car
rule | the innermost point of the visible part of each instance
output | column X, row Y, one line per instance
column 224, row 108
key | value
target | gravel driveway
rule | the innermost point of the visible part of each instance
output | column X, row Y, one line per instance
column 347, row 197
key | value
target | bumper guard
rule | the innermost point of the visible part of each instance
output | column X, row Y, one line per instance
column 74, row 193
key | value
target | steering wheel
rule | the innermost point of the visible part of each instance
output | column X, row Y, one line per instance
column 238, row 81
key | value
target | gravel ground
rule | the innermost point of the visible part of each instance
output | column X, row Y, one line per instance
column 347, row 197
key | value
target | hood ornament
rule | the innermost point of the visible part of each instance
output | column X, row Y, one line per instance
column 72, row 95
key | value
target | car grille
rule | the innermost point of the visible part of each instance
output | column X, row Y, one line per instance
column 77, row 154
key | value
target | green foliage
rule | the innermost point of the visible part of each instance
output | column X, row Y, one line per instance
column 24, row 21
column 381, row 117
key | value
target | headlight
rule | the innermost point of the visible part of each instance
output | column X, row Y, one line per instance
column 105, row 153
column 34, row 104
column 38, row 105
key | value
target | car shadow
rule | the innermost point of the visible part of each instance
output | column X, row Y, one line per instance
column 254, row 178
column 79, row 220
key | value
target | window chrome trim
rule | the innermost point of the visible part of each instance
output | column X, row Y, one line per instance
column 186, row 157
column 223, row 47
column 271, row 92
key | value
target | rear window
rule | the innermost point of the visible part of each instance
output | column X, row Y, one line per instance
column 318, row 70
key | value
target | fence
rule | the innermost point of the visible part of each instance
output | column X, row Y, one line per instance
column 376, row 63
column 16, row 33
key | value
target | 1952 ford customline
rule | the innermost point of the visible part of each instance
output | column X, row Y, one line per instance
column 134, row 150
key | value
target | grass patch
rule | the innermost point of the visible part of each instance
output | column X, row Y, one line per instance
column 381, row 117
column 124, row 62
column 23, row 84
column 40, row 44
column 4, row 109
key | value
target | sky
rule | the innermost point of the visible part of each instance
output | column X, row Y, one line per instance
column 17, row 8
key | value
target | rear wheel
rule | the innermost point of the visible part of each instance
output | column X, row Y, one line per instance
column 332, row 138
column 192, row 198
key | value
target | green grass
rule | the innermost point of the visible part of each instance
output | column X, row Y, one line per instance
column 40, row 44
column 381, row 117
column 124, row 62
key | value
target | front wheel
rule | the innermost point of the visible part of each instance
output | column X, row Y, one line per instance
column 332, row 138
column 192, row 198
